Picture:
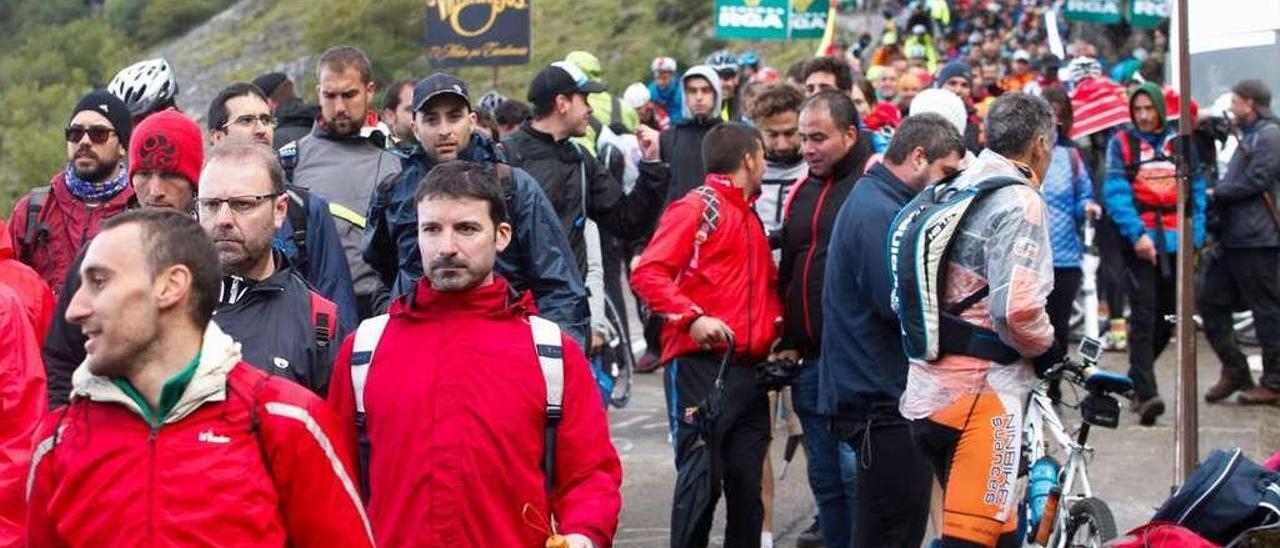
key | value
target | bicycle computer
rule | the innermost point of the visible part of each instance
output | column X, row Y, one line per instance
column 1090, row 349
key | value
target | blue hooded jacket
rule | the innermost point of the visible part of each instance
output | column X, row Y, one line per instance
column 539, row 258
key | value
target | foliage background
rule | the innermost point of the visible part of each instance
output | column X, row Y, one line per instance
column 53, row 51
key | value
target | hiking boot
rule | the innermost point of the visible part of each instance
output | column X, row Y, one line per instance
column 1149, row 409
column 1259, row 395
column 648, row 363
column 811, row 537
column 1226, row 386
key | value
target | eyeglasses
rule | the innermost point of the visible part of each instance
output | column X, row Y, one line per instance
column 239, row 205
column 248, row 120
column 97, row 134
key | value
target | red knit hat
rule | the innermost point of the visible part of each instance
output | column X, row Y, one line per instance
column 168, row 142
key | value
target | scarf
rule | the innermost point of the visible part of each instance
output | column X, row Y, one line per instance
column 97, row 192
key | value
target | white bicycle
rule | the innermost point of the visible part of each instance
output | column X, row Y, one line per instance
column 1071, row 515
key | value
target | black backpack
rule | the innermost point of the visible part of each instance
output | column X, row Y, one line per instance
column 36, row 231
column 1227, row 496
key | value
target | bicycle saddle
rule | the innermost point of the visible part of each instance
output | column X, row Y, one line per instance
column 1107, row 381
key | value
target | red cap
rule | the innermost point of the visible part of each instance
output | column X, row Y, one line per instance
column 168, row 142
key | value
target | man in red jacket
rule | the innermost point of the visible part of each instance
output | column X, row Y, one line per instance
column 709, row 272
column 51, row 223
column 457, row 403
column 30, row 288
column 170, row 437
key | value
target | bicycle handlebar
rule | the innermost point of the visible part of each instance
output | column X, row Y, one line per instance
column 1090, row 377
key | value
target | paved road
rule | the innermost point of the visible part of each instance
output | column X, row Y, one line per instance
column 1132, row 469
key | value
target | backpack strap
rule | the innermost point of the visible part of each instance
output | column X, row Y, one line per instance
column 288, row 157
column 707, row 224
column 366, row 342
column 297, row 213
column 33, row 229
column 324, row 318
column 1130, row 154
column 547, row 343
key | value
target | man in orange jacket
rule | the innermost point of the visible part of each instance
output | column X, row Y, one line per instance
column 709, row 272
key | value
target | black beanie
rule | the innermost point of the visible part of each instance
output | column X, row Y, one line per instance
column 110, row 106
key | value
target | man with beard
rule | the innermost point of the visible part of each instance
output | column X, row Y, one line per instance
column 263, row 303
column 241, row 113
column 343, row 160
column 539, row 258
column 776, row 111
column 165, row 155
column 397, row 112
column 50, row 224
column 863, row 368
column 478, row 416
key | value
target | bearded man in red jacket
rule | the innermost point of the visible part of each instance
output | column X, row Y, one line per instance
column 477, row 421
column 170, row 437
column 709, row 272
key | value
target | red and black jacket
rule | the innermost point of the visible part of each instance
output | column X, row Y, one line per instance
column 806, row 232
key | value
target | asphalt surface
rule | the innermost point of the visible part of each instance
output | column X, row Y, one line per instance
column 1132, row 468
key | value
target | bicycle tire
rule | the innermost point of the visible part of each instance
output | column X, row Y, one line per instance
column 1091, row 512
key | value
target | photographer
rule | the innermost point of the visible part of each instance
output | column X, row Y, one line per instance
column 1244, row 266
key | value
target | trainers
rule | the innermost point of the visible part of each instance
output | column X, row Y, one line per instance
column 811, row 537
column 1259, row 395
column 1150, row 409
column 648, row 363
column 1118, row 337
column 1226, row 386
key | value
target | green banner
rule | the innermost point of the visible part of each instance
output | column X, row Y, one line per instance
column 809, row 18
column 1106, row 12
column 752, row 19
column 1148, row 14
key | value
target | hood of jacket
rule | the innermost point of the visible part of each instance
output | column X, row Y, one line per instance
column 710, row 75
column 1156, row 94
column 218, row 355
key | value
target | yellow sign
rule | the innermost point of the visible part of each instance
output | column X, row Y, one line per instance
column 451, row 10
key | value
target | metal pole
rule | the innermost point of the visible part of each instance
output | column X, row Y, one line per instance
column 1186, row 439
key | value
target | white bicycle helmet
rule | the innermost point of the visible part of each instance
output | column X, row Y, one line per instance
column 490, row 101
column 663, row 64
column 636, row 95
column 145, row 86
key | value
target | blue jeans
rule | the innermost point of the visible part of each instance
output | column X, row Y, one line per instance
column 831, row 463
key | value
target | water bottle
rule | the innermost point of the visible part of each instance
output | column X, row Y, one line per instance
column 1044, row 479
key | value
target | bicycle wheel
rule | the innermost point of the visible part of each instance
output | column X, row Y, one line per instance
column 622, row 362
column 1090, row 524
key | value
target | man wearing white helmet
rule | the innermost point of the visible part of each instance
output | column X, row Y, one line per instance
column 664, row 90
column 146, row 87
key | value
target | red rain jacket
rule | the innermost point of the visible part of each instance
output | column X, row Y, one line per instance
column 243, row 459
column 22, row 404
column 70, row 224
column 455, row 404
column 733, row 278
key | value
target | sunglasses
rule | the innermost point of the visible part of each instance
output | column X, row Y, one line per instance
column 97, row 134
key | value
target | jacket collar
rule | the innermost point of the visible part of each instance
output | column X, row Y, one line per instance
column 850, row 166
column 218, row 355
column 723, row 185
column 881, row 172
column 496, row 299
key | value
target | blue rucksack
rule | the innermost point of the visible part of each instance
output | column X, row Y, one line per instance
column 1227, row 496
column 920, row 241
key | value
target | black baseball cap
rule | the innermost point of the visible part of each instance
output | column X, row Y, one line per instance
column 1257, row 92
column 436, row 85
column 561, row 78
